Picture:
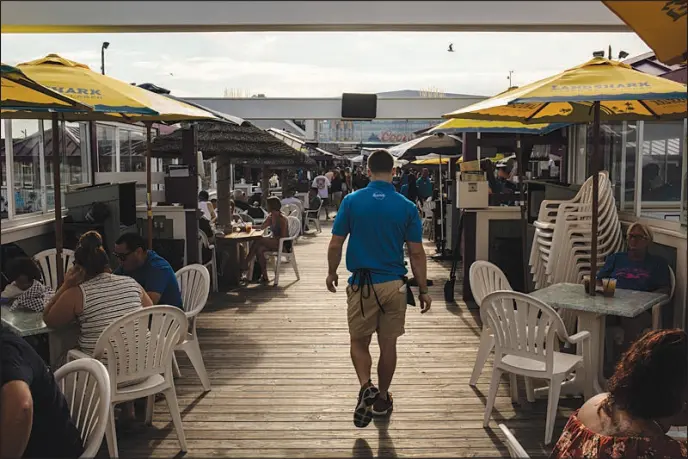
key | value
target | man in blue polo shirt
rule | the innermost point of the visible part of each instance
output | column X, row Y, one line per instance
column 378, row 221
column 424, row 185
column 148, row 268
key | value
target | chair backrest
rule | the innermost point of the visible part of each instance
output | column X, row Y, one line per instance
column 672, row 283
column 485, row 278
column 194, row 283
column 203, row 240
column 134, row 354
column 47, row 262
column 86, row 386
column 294, row 226
column 523, row 326
column 516, row 451
column 287, row 209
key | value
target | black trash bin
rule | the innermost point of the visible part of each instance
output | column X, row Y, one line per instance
column 507, row 254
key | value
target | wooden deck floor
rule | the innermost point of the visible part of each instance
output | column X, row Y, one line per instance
column 283, row 384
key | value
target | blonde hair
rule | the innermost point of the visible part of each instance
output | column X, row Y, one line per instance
column 647, row 232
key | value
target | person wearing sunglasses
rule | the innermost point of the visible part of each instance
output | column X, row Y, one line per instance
column 634, row 269
column 149, row 269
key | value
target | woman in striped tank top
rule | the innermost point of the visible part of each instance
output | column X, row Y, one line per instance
column 91, row 295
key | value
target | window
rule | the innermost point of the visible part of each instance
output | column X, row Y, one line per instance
column 106, row 148
column 662, row 152
column 647, row 165
column 27, row 154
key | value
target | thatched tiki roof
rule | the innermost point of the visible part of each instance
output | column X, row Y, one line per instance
column 242, row 144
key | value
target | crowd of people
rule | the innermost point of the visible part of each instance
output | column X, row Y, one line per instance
column 647, row 392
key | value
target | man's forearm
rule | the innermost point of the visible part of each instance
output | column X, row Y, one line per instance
column 334, row 257
column 419, row 268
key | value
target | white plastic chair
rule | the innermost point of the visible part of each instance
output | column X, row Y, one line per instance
column 86, row 386
column 47, row 262
column 657, row 309
column 525, row 332
column 516, row 451
column 485, row 278
column 141, row 367
column 203, row 241
column 290, row 257
column 313, row 216
column 194, row 282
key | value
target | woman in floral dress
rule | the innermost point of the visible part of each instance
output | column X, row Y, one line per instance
column 647, row 395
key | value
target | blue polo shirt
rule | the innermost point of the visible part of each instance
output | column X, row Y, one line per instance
column 378, row 221
column 424, row 187
column 156, row 275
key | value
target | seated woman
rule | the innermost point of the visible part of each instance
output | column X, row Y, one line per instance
column 647, row 395
column 26, row 291
column 636, row 269
column 94, row 297
column 279, row 228
column 91, row 295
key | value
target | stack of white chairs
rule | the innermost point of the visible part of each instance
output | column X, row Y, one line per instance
column 563, row 233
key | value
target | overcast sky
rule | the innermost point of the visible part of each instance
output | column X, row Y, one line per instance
column 321, row 64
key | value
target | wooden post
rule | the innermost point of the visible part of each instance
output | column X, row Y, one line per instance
column 58, row 198
column 595, row 166
column 223, row 185
column 524, row 216
column 265, row 185
column 189, row 157
column 149, row 202
column 470, row 153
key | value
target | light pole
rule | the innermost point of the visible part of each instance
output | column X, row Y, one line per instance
column 622, row 54
column 102, row 56
column 509, row 78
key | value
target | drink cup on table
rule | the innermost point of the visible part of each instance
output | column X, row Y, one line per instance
column 586, row 283
column 248, row 227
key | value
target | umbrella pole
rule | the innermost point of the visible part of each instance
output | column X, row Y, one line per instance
column 58, row 198
column 595, row 194
column 149, row 202
column 441, row 189
column 524, row 216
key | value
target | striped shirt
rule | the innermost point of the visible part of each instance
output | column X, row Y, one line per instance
column 107, row 297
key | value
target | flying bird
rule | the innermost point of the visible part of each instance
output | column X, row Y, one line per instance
column 451, row 48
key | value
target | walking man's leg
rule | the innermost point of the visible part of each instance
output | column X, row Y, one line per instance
column 362, row 325
column 387, row 364
column 360, row 356
column 391, row 327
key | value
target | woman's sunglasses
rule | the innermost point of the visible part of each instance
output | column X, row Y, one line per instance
column 637, row 237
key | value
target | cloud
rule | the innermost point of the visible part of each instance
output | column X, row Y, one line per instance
column 325, row 64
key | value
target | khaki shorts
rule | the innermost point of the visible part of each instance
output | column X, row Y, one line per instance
column 389, row 324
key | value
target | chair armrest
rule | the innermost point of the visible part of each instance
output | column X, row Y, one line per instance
column 76, row 354
column 579, row 337
column 515, row 448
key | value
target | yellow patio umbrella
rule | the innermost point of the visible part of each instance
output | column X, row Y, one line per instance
column 19, row 92
column 622, row 92
column 456, row 125
column 599, row 90
column 111, row 99
column 660, row 24
column 444, row 160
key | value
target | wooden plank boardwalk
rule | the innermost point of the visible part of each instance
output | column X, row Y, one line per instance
column 283, row 384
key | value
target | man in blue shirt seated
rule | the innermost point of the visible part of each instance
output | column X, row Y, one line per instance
column 424, row 185
column 148, row 268
column 378, row 221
